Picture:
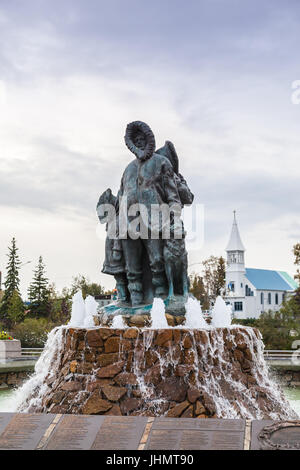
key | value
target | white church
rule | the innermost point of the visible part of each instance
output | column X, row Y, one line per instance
column 252, row 291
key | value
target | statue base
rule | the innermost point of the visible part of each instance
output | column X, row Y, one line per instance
column 140, row 315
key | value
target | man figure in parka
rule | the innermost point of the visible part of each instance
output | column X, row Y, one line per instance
column 147, row 180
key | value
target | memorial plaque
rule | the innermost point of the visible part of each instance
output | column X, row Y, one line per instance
column 24, row 431
column 4, row 420
column 283, row 435
column 75, row 433
column 120, row 433
column 256, row 427
column 196, row 434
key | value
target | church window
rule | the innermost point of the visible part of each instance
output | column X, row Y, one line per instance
column 238, row 306
column 262, row 298
column 269, row 298
column 276, row 299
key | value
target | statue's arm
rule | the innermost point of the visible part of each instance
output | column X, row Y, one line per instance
column 170, row 186
column 186, row 195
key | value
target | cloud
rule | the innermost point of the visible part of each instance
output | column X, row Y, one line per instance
column 215, row 78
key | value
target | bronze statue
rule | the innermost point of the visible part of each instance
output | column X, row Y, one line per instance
column 145, row 263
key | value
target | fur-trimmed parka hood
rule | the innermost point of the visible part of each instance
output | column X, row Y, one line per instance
column 134, row 128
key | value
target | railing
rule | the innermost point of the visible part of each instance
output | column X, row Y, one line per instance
column 280, row 354
column 31, row 351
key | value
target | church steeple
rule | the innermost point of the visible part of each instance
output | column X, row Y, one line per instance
column 235, row 242
column 235, row 269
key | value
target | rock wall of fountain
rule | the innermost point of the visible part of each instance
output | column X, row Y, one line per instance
column 176, row 372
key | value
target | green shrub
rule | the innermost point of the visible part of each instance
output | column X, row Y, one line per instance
column 33, row 332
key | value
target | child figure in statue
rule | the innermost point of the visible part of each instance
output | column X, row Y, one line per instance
column 114, row 261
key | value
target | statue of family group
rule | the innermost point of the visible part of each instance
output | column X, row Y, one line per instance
column 148, row 266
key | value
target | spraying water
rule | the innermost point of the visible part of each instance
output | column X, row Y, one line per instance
column 78, row 310
column 221, row 316
column 157, row 314
column 193, row 316
column 118, row 323
column 91, row 307
column 32, row 392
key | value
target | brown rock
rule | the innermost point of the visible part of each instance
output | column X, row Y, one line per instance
column 150, row 357
column 193, row 395
column 72, row 386
column 170, row 319
column 189, row 357
column 129, row 404
column 180, row 320
column 153, row 375
column 188, row 413
column 248, row 354
column 208, row 403
column 238, row 355
column 131, row 333
column 113, row 393
column 97, row 384
column 177, row 336
column 57, row 397
column 58, row 409
column 202, row 416
column 126, row 378
column 172, row 388
column 96, row 405
column 89, row 356
column 85, row 368
column 125, row 345
column 94, row 338
column 112, row 344
column 139, row 320
column 199, row 409
column 105, row 333
column 73, row 367
column 183, row 370
column 107, row 359
column 111, row 370
column 187, row 342
column 163, row 337
column 178, row 409
column 114, row 411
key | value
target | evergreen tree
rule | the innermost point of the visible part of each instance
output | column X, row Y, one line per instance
column 11, row 293
column 38, row 292
column 15, row 309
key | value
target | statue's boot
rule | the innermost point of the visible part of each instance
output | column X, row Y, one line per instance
column 160, row 285
column 122, row 287
column 136, row 293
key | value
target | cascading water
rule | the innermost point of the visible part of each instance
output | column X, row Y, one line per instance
column 210, row 371
column 31, row 394
column 224, row 367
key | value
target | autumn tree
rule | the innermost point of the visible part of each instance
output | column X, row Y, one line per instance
column 197, row 288
column 214, row 276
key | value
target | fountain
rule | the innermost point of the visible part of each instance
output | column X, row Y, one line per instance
column 152, row 352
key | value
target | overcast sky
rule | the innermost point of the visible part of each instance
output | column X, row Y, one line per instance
column 213, row 76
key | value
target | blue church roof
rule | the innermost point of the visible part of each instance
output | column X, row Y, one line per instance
column 265, row 279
